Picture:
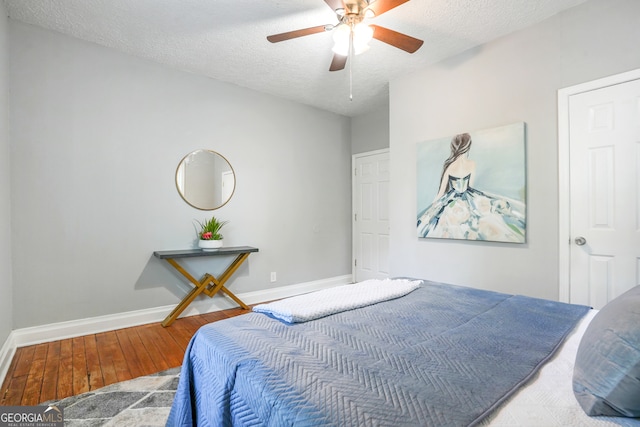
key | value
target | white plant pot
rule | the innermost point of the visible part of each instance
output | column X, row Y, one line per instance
column 210, row 245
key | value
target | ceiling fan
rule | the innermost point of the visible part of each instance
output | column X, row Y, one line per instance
column 351, row 34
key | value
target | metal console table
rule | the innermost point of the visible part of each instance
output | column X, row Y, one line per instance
column 209, row 284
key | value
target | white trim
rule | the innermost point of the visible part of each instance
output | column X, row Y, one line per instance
column 370, row 153
column 564, row 201
column 354, row 243
column 75, row 328
column 7, row 352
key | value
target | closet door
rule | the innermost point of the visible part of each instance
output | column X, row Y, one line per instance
column 371, row 216
column 604, row 150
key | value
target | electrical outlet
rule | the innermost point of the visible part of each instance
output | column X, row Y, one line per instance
column 273, row 276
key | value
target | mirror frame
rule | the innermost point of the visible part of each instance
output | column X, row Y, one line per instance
column 180, row 191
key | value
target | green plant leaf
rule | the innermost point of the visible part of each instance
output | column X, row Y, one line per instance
column 212, row 226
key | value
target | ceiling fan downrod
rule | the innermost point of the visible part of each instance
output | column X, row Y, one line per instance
column 351, row 65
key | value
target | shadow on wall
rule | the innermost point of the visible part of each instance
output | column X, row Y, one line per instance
column 158, row 273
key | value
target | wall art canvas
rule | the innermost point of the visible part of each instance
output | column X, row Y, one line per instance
column 472, row 186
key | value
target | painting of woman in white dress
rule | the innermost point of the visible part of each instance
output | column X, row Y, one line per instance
column 479, row 190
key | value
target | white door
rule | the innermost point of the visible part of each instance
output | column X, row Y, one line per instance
column 371, row 216
column 604, row 176
column 228, row 186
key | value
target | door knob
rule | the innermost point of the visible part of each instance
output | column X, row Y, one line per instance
column 580, row 241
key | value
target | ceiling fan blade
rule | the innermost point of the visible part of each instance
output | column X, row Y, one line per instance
column 396, row 39
column 338, row 62
column 382, row 6
column 275, row 38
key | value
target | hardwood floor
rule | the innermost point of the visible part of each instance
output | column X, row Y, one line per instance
column 60, row 369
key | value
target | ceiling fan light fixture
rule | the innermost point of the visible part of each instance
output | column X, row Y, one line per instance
column 362, row 33
column 340, row 49
column 343, row 50
column 351, row 36
column 341, row 35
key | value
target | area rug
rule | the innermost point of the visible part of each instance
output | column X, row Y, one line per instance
column 143, row 401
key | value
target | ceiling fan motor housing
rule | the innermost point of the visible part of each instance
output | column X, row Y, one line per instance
column 355, row 12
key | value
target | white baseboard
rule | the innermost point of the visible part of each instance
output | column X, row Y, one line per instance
column 7, row 352
column 75, row 328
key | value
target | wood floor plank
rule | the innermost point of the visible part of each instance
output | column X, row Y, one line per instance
column 108, row 346
column 120, row 362
column 94, row 369
column 50, row 375
column 192, row 322
column 79, row 375
column 15, row 391
column 130, row 352
column 25, row 355
column 146, row 359
column 109, row 375
column 149, row 341
column 63, row 368
column 184, row 330
column 200, row 320
column 35, row 377
column 214, row 317
column 6, row 383
column 170, row 349
column 180, row 335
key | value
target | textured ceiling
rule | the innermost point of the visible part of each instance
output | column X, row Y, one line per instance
column 226, row 39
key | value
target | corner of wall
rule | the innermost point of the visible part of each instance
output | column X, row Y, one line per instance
column 7, row 351
column 370, row 131
column 6, row 281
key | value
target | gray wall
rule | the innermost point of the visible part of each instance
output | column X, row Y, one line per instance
column 515, row 78
column 96, row 137
column 370, row 131
column 6, row 287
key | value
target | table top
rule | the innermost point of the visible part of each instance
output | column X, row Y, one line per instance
column 187, row 253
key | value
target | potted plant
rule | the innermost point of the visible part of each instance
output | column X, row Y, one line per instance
column 209, row 237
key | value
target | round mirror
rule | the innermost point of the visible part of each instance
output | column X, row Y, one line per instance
column 205, row 180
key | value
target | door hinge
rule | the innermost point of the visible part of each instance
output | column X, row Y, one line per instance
column 355, row 217
column 355, row 262
column 355, row 172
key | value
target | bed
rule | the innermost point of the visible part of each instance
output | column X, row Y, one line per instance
column 435, row 355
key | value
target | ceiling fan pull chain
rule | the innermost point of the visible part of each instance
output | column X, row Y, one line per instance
column 351, row 55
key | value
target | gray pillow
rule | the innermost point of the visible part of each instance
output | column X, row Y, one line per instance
column 606, row 376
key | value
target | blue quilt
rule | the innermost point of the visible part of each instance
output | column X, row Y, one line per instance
column 442, row 355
